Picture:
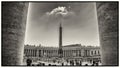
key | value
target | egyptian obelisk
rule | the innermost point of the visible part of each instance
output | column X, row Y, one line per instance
column 60, row 51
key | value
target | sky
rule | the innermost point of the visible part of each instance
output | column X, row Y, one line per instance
column 79, row 23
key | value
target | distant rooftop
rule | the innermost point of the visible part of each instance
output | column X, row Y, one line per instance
column 72, row 45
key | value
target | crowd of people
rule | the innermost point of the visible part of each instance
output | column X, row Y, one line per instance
column 71, row 63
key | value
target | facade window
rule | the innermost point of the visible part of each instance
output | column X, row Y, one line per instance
column 88, row 52
column 43, row 52
column 28, row 52
column 95, row 52
column 79, row 53
column 91, row 52
column 39, row 53
column 98, row 52
column 85, row 53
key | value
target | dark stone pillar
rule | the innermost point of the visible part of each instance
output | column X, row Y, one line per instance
column 108, row 29
column 14, row 15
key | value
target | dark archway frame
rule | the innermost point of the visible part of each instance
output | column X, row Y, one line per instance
column 14, row 15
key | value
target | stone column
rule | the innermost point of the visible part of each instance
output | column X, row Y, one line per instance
column 14, row 15
column 107, row 13
column 37, row 53
column 41, row 53
column 30, row 53
column 82, row 52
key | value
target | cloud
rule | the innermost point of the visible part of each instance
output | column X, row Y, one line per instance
column 60, row 12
